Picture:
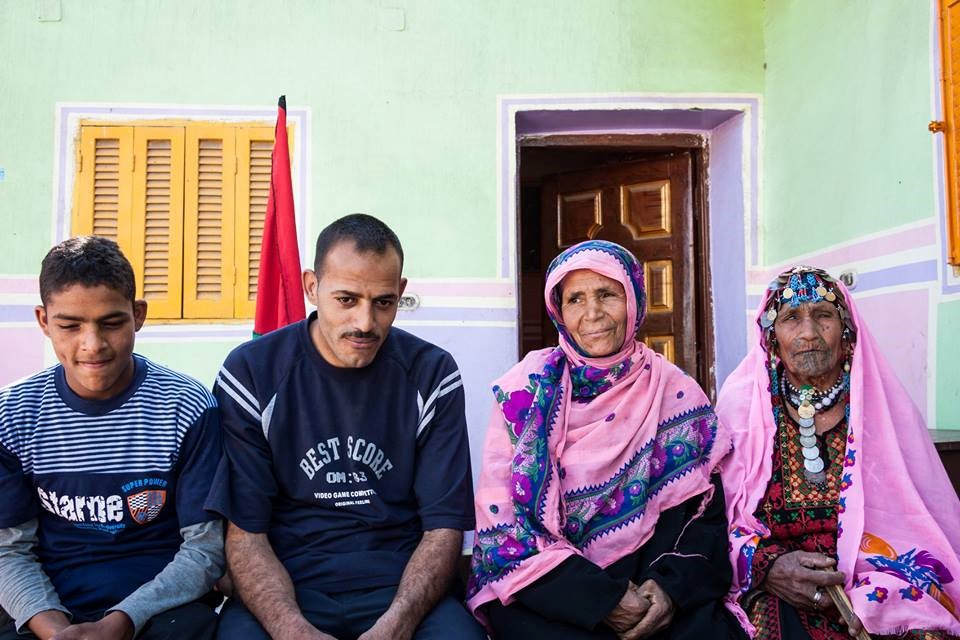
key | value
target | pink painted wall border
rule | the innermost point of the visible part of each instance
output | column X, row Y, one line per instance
column 486, row 289
column 18, row 284
column 857, row 250
column 493, row 289
column 911, row 274
column 23, row 352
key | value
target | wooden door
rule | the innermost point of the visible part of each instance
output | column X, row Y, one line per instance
column 646, row 206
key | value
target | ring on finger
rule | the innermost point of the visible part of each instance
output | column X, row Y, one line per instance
column 817, row 595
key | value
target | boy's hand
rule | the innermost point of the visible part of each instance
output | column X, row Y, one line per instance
column 46, row 624
column 113, row 626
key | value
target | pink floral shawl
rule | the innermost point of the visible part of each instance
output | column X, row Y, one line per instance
column 899, row 517
column 582, row 454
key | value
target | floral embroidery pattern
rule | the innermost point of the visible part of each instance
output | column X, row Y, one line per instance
column 745, row 565
column 516, row 408
column 846, row 482
column 911, row 593
column 681, row 444
column 496, row 552
column 850, row 459
column 857, row 582
column 529, row 415
column 878, row 595
column 589, row 382
column 918, row 568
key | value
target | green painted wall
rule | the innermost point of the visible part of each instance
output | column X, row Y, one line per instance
column 948, row 376
column 403, row 123
column 201, row 360
column 846, row 106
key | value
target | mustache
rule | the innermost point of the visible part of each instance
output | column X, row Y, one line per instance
column 361, row 335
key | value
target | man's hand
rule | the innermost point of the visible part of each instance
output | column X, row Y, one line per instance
column 658, row 615
column 389, row 627
column 629, row 611
column 225, row 585
column 305, row 631
column 798, row 576
column 424, row 582
column 264, row 586
column 113, row 626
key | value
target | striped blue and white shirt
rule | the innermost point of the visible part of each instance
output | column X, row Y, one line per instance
column 110, row 482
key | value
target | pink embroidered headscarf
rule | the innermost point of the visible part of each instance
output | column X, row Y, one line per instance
column 582, row 454
column 899, row 517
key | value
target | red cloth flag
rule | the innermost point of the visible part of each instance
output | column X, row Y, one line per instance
column 279, row 288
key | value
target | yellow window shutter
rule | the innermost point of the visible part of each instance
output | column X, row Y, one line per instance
column 104, row 184
column 254, row 149
column 950, row 44
column 208, row 248
column 157, row 255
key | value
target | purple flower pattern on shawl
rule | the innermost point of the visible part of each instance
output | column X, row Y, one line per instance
column 680, row 444
column 878, row 595
column 589, row 382
column 516, row 408
column 529, row 414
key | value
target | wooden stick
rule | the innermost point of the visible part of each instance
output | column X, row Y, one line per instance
column 842, row 602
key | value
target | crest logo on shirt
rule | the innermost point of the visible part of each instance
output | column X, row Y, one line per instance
column 146, row 505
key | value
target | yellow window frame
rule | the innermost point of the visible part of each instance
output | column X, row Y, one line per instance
column 190, row 274
column 950, row 83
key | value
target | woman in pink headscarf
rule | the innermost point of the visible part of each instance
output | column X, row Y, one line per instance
column 833, row 480
column 598, row 511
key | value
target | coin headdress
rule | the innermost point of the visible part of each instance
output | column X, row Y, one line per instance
column 800, row 285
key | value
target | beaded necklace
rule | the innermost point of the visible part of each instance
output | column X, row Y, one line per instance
column 808, row 401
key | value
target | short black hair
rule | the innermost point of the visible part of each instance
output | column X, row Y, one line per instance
column 368, row 234
column 89, row 261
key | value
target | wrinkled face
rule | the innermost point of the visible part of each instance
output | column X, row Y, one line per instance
column 356, row 298
column 809, row 339
column 594, row 311
column 92, row 332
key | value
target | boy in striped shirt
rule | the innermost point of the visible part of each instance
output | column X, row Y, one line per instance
column 105, row 462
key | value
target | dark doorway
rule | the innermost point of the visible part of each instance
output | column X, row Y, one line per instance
column 645, row 192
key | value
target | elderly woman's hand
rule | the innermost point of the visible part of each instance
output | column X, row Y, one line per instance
column 658, row 616
column 797, row 577
column 629, row 611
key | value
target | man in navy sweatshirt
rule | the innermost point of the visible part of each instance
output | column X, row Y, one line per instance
column 346, row 473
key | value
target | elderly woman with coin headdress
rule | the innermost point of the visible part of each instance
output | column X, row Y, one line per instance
column 842, row 519
column 599, row 513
